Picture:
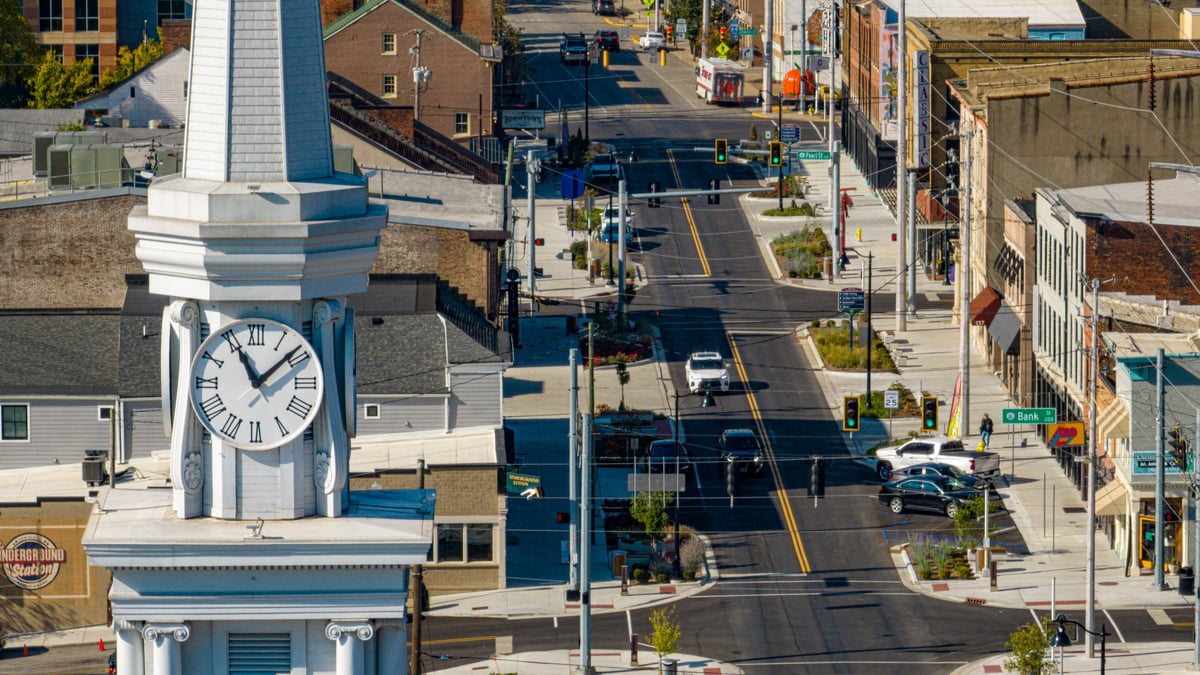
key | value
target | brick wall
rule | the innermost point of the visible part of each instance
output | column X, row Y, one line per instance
column 450, row 254
column 462, row 490
column 458, row 77
column 85, row 242
column 176, row 33
column 1138, row 259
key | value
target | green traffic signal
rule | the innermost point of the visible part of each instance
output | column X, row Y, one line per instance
column 929, row 413
column 776, row 153
column 721, row 153
column 850, row 413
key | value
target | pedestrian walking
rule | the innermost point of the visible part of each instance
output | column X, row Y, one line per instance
column 985, row 431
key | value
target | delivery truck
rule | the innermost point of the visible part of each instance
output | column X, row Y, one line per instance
column 719, row 81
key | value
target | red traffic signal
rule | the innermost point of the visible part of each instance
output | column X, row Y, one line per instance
column 562, row 518
column 539, row 242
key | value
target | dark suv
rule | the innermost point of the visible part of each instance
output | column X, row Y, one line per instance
column 666, row 455
column 603, row 7
column 608, row 40
column 741, row 449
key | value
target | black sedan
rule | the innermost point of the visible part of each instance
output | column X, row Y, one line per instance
column 940, row 469
column 938, row 494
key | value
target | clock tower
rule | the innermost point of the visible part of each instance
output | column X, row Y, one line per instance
column 257, row 243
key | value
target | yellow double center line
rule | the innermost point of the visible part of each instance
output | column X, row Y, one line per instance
column 785, row 506
column 687, row 212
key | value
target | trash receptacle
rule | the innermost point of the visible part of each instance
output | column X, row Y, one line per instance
column 1187, row 581
column 670, row 666
column 827, row 268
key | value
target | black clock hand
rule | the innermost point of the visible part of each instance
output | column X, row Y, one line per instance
column 255, row 380
column 278, row 364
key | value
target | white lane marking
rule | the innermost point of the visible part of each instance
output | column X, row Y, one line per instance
column 1113, row 622
column 1160, row 617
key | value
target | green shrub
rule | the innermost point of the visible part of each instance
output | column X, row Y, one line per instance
column 966, row 521
column 640, row 573
column 802, row 253
column 663, row 577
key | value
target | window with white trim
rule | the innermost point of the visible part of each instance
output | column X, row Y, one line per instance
column 464, row 542
column 389, row 86
column 14, row 422
column 87, row 15
column 104, row 413
column 389, row 43
column 462, row 123
column 371, row 411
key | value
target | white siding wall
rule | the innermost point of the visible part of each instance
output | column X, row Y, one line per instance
column 143, row 429
column 475, row 399
column 59, row 432
column 157, row 94
column 402, row 416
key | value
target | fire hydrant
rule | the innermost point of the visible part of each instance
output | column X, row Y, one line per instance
column 858, row 234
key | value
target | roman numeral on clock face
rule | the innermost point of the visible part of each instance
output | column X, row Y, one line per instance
column 299, row 357
column 257, row 334
column 305, row 383
column 231, row 339
column 282, row 429
column 212, row 406
column 298, row 407
column 215, row 360
column 255, row 432
column 233, row 423
column 206, row 382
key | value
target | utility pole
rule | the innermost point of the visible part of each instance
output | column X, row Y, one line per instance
column 585, row 514
column 1160, row 470
column 531, row 187
column 1091, row 493
column 901, row 166
column 622, row 209
column 415, row 586
column 964, row 289
column 573, row 474
column 911, row 258
column 1196, row 544
column 835, row 188
column 833, row 38
column 870, row 332
column 803, row 53
column 704, row 28
column 419, row 75
column 768, row 54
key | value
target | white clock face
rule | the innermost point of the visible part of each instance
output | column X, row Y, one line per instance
column 256, row 383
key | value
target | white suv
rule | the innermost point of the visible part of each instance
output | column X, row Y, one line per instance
column 707, row 371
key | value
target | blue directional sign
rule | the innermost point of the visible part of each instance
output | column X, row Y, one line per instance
column 733, row 29
column 789, row 133
column 572, row 184
column 851, row 300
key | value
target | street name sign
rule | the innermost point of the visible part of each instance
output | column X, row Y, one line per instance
column 812, row 154
column 1028, row 416
column 748, row 31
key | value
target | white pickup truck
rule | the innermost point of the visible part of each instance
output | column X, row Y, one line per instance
column 935, row 449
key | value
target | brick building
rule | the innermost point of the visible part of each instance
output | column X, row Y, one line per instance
column 380, row 45
column 96, row 29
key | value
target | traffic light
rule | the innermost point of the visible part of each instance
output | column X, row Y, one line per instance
column 776, row 153
column 721, row 154
column 816, row 478
column 655, row 202
column 562, row 518
column 850, row 413
column 539, row 242
column 929, row 412
column 714, row 184
column 722, row 33
column 1179, row 447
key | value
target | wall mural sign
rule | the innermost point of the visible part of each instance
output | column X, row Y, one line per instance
column 31, row 561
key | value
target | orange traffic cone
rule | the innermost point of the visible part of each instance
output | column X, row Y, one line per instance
column 101, row 644
column 25, row 652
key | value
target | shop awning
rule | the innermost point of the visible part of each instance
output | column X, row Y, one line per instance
column 1110, row 499
column 984, row 307
column 1006, row 328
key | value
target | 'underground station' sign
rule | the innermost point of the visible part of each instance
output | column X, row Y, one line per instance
column 31, row 561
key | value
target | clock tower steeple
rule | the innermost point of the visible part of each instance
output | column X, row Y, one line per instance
column 257, row 243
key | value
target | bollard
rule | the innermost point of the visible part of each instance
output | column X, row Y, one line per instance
column 992, row 572
column 670, row 667
column 624, row 579
column 633, row 642
column 858, row 233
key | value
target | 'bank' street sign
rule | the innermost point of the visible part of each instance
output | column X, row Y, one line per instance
column 1028, row 416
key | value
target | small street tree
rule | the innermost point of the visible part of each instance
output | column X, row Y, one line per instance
column 623, row 379
column 651, row 511
column 130, row 62
column 19, row 54
column 665, row 636
column 1028, row 647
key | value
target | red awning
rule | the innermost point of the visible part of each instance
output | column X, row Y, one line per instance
column 984, row 307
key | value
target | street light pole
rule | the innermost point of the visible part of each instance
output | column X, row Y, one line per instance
column 1091, row 493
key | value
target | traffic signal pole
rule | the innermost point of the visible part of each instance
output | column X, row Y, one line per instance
column 573, row 474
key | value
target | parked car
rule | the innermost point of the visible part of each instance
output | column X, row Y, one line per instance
column 609, row 216
column 707, row 371
column 603, row 168
column 935, row 449
column 608, row 40
column 942, row 469
column 112, row 664
column 937, row 494
column 610, row 233
column 652, row 40
column 665, row 455
column 740, row 447
column 603, row 7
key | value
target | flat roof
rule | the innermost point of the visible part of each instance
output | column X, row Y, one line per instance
column 1174, row 201
column 1041, row 13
